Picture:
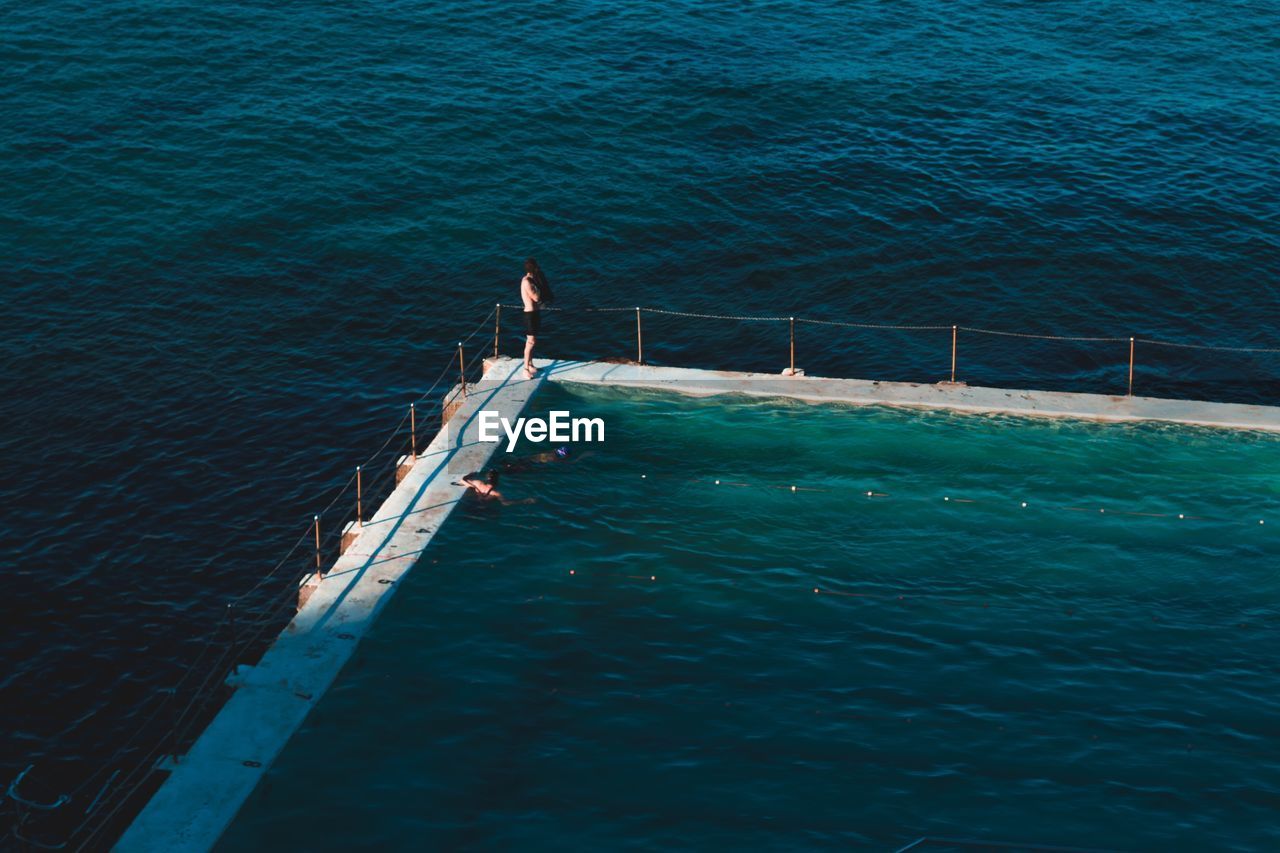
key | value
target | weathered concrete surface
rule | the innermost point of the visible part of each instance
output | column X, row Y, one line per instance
column 208, row 786
column 1097, row 407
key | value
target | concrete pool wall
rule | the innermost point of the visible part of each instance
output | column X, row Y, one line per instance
column 208, row 786
column 942, row 395
column 211, row 782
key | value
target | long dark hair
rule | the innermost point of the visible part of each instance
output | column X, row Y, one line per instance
column 539, row 279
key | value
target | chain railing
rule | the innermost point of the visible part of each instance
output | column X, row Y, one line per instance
column 97, row 809
column 1123, row 356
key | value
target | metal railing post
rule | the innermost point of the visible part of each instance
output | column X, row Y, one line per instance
column 793, row 346
column 359, row 497
column 639, row 339
column 318, row 565
column 413, row 433
column 462, row 370
column 953, row 355
column 1130, row 367
column 497, row 327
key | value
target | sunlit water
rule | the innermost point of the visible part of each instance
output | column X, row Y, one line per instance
column 646, row 659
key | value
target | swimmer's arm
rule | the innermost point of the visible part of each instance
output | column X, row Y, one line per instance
column 526, row 290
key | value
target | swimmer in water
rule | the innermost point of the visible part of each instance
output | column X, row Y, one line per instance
column 560, row 454
column 486, row 488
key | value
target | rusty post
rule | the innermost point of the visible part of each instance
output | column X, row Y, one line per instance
column 413, row 432
column 359, row 497
column 497, row 327
column 462, row 370
column 1130, row 367
column 318, row 571
column 953, row 355
column 793, row 346
column 639, row 339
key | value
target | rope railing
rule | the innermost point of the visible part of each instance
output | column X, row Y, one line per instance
column 847, row 325
column 1206, row 346
column 1039, row 337
column 245, row 625
column 895, row 326
column 746, row 317
column 640, row 339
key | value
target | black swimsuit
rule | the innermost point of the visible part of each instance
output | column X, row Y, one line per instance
column 532, row 322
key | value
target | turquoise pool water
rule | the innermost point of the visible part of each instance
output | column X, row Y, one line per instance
column 640, row 659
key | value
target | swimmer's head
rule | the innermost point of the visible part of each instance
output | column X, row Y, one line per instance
column 493, row 478
column 562, row 452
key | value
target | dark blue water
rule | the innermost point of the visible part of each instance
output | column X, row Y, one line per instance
column 238, row 239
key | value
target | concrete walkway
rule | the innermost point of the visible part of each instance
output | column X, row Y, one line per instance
column 208, row 786
column 1096, row 407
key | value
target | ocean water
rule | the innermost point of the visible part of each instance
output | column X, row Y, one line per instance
column 644, row 659
column 238, row 239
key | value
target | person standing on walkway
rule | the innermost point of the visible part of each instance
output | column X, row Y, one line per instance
column 535, row 292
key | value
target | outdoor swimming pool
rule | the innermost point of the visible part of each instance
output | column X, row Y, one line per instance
column 641, row 659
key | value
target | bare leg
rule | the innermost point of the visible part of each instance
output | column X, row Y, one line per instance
column 528, row 356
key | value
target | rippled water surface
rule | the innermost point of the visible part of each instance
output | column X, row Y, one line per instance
column 645, row 658
column 237, row 239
